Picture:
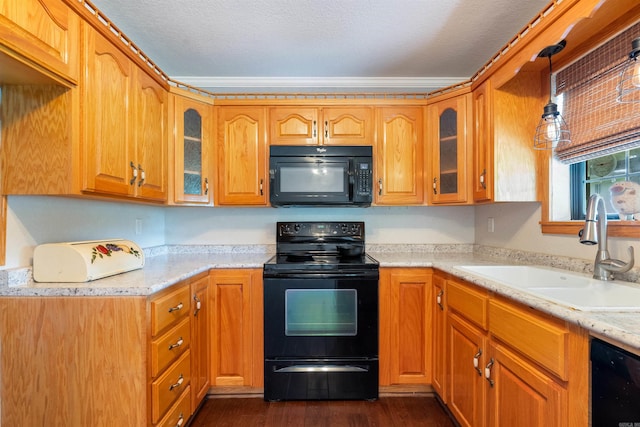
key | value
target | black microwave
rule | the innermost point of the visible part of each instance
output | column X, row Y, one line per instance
column 320, row 175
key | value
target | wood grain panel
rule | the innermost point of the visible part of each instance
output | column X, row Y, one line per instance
column 468, row 301
column 107, row 130
column 37, row 143
column 400, row 150
column 45, row 32
column 348, row 126
column 293, row 126
column 242, row 157
column 546, row 342
column 405, row 326
column 231, row 357
column 151, row 137
column 76, row 361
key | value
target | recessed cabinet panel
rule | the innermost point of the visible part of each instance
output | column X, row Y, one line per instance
column 242, row 156
column 45, row 32
column 399, row 171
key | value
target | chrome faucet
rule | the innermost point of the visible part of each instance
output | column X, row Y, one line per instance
column 595, row 232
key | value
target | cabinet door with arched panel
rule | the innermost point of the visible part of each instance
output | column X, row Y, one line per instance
column 451, row 153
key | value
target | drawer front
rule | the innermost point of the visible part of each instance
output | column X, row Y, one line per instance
column 170, row 346
column 536, row 337
column 470, row 303
column 169, row 386
column 167, row 309
column 179, row 413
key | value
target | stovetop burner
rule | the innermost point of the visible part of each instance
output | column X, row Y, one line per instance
column 320, row 246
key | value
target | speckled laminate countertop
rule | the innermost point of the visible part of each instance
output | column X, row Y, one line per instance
column 166, row 269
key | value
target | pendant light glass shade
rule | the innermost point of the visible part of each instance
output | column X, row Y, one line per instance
column 629, row 84
column 552, row 129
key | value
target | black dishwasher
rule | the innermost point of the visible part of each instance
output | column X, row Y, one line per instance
column 615, row 386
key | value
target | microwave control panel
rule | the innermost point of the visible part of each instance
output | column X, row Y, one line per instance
column 363, row 178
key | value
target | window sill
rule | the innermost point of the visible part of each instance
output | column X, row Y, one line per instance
column 615, row 228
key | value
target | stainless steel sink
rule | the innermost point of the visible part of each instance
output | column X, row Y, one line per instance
column 574, row 290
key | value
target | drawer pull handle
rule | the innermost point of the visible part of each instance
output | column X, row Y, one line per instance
column 180, row 420
column 476, row 361
column 177, row 383
column 177, row 344
column 487, row 372
column 176, row 308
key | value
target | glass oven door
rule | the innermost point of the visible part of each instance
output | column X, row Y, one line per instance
column 320, row 318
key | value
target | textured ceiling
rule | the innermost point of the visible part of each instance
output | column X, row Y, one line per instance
column 296, row 43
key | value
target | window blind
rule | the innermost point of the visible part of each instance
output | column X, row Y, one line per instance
column 599, row 124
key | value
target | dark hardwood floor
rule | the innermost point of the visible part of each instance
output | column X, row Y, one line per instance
column 384, row 412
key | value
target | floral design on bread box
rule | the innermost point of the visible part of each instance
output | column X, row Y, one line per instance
column 101, row 251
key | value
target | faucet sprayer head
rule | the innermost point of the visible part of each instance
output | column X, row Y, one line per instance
column 589, row 234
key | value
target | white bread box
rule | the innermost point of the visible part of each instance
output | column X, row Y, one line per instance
column 85, row 261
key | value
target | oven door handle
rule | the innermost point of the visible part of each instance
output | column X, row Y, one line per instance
column 320, row 368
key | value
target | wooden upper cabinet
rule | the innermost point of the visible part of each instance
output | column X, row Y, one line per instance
column 191, row 151
column 242, row 156
column 450, row 144
column 505, row 119
column 44, row 35
column 482, row 144
column 320, row 126
column 107, row 131
column 150, row 136
column 124, row 124
column 399, row 156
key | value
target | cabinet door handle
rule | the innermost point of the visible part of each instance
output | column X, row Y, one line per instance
column 206, row 186
column 177, row 344
column 326, row 129
column 439, row 299
column 482, row 180
column 476, row 361
column 198, row 305
column 380, row 187
column 435, row 186
column 176, row 308
column 142, row 176
column 261, row 187
column 315, row 129
column 177, row 383
column 487, row 372
column 134, row 174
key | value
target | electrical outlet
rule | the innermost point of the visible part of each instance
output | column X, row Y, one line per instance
column 138, row 226
column 491, row 225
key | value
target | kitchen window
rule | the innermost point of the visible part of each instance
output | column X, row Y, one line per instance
column 615, row 177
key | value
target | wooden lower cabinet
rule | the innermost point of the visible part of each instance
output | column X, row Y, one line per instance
column 509, row 364
column 439, row 347
column 236, row 323
column 101, row 361
column 405, row 326
column 201, row 339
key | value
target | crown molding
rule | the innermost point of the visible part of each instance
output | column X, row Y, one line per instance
column 413, row 83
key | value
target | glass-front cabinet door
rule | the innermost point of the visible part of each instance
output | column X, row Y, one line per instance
column 451, row 152
column 192, row 183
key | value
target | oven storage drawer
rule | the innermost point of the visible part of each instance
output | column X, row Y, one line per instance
column 321, row 379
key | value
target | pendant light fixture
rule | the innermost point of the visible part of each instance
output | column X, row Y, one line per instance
column 629, row 84
column 552, row 128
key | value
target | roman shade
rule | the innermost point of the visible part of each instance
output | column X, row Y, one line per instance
column 599, row 124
